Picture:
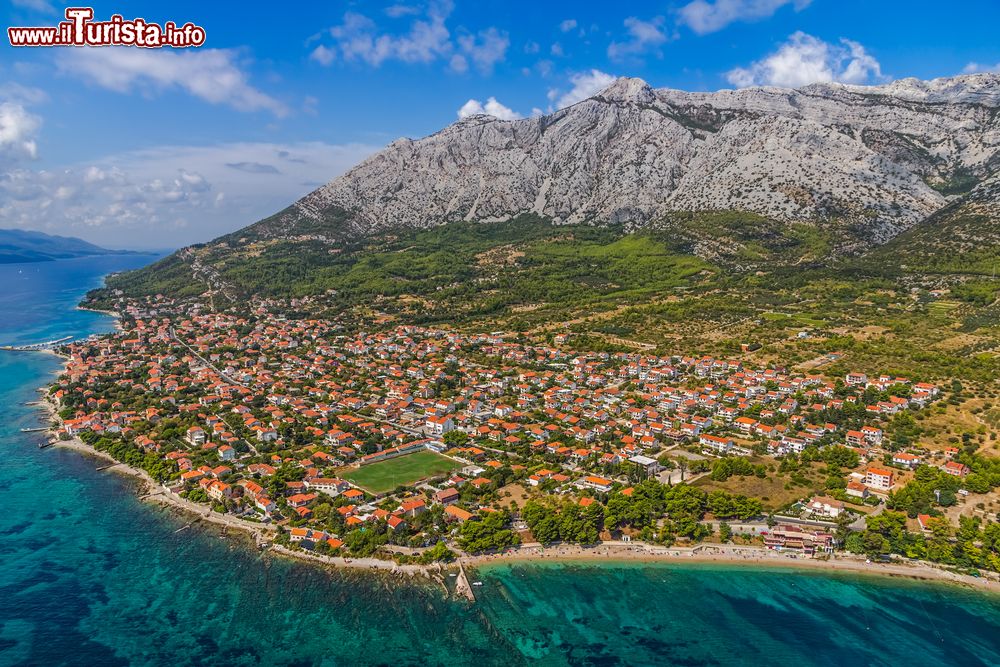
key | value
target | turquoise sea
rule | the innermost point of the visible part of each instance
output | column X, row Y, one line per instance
column 91, row 576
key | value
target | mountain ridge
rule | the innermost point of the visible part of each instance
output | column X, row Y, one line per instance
column 819, row 173
column 632, row 153
column 18, row 245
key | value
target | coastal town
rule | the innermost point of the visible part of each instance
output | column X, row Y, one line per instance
column 416, row 444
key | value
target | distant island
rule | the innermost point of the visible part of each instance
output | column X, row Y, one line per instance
column 18, row 245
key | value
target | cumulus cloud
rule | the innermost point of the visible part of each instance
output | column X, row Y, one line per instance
column 172, row 195
column 976, row 68
column 398, row 11
column 424, row 39
column 209, row 74
column 358, row 38
column 804, row 59
column 567, row 25
column 323, row 55
column 491, row 108
column 643, row 36
column 585, row 84
column 18, row 129
column 705, row 17
column 486, row 48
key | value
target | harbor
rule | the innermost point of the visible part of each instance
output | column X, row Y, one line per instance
column 37, row 347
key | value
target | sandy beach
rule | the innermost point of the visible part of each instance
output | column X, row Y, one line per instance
column 729, row 554
column 113, row 313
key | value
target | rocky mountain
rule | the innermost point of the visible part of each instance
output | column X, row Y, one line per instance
column 901, row 176
column 870, row 160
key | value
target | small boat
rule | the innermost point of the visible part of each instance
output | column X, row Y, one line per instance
column 477, row 583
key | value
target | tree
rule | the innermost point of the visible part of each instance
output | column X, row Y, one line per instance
column 488, row 534
column 885, row 533
column 363, row 543
column 840, row 456
column 456, row 438
column 438, row 553
column 725, row 532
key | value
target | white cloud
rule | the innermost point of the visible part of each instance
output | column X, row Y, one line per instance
column 459, row 63
column 12, row 91
column 643, row 36
column 358, row 39
column 567, row 25
column 210, row 74
column 18, row 129
column 323, row 55
column 170, row 195
column 861, row 66
column 424, row 38
column 585, row 84
column 976, row 68
column 398, row 11
column 486, row 48
column 804, row 59
column 43, row 6
column 705, row 17
column 491, row 108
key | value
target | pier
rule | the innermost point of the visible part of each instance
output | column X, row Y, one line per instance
column 37, row 347
column 462, row 585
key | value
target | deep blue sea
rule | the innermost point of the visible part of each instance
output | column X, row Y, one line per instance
column 91, row 576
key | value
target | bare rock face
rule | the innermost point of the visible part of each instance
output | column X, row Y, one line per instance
column 878, row 158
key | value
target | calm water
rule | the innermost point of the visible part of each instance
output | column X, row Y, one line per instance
column 91, row 576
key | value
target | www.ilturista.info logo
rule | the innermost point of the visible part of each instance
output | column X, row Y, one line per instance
column 79, row 29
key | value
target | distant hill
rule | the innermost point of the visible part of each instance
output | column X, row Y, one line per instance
column 963, row 237
column 17, row 245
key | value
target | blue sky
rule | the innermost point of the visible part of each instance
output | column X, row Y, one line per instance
column 159, row 148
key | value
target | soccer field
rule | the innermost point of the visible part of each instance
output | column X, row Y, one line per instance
column 387, row 475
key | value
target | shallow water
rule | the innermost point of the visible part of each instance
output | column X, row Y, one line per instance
column 92, row 576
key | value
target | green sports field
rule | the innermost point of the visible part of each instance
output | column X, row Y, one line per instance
column 387, row 475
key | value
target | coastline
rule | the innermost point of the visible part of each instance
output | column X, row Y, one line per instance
column 113, row 314
column 152, row 491
column 528, row 554
column 730, row 555
column 533, row 554
column 263, row 534
column 110, row 313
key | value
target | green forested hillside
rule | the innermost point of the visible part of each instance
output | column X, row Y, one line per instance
column 454, row 271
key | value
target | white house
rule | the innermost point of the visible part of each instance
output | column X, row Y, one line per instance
column 439, row 425
column 825, row 506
